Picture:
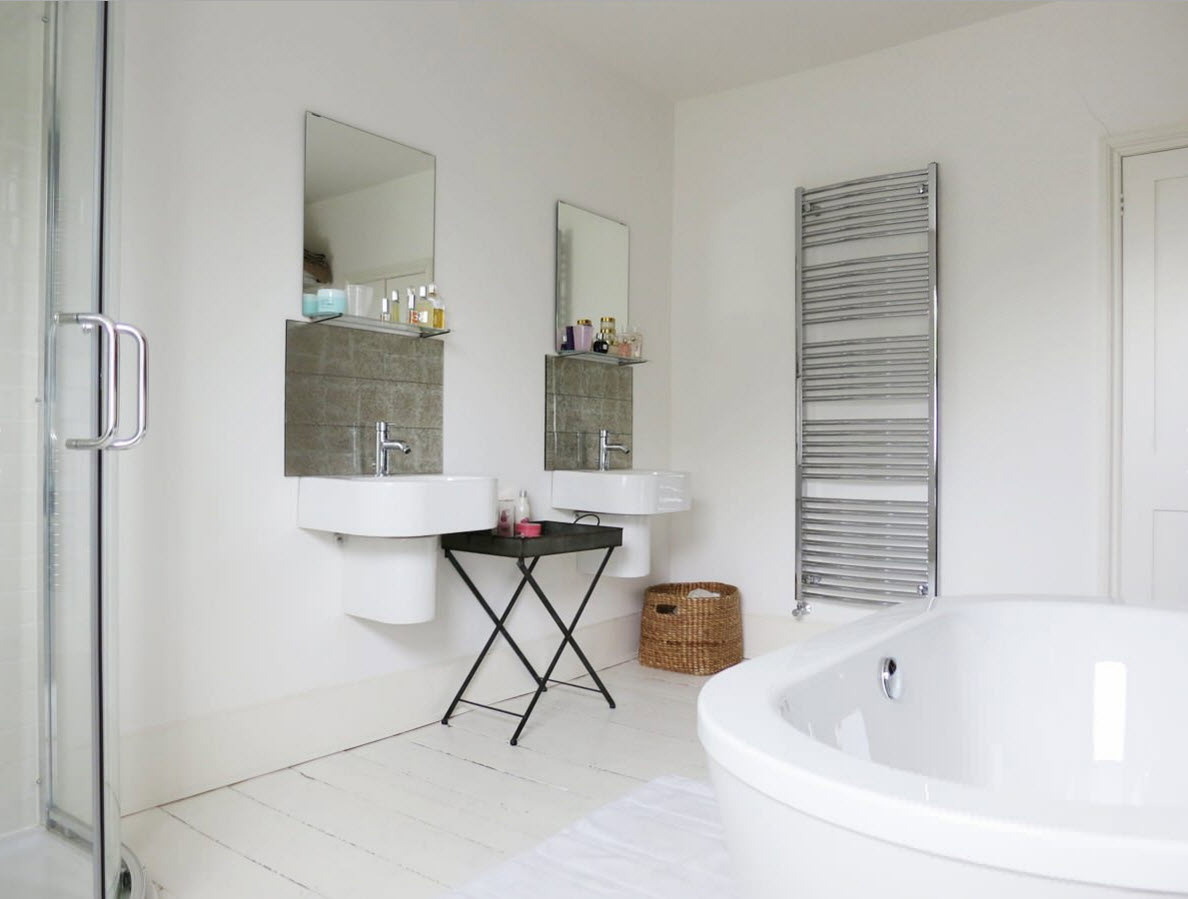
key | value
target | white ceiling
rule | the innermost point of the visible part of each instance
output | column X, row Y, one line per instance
column 688, row 48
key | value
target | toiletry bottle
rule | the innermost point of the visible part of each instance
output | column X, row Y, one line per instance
column 601, row 344
column 409, row 315
column 523, row 510
column 506, row 525
column 608, row 330
column 424, row 308
column 583, row 335
column 438, row 308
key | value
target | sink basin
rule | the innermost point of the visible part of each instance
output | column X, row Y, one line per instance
column 415, row 505
column 393, row 527
column 630, row 491
column 625, row 498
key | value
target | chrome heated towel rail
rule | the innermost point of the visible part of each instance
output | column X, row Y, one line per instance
column 866, row 389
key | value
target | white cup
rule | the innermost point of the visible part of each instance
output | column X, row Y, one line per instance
column 361, row 300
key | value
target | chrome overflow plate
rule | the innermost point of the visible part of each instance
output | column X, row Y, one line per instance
column 891, row 678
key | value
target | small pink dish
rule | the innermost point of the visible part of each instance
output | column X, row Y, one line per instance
column 528, row 528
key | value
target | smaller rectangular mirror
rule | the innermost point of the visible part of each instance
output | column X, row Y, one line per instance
column 369, row 208
column 592, row 267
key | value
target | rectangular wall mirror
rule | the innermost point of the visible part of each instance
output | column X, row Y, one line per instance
column 369, row 205
column 592, row 266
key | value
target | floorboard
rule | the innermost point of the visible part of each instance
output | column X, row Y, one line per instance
column 421, row 812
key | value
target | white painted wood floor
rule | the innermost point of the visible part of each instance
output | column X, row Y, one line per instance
column 422, row 812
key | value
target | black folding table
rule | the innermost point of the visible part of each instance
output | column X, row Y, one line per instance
column 556, row 537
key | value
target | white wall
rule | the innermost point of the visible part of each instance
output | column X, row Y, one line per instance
column 21, row 40
column 228, row 618
column 1015, row 111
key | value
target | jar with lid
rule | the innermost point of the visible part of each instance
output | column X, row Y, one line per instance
column 607, row 327
column 583, row 335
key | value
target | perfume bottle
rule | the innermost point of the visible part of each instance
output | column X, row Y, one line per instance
column 583, row 334
column 424, row 308
column 436, row 309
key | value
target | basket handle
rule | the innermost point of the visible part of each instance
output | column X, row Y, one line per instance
column 665, row 609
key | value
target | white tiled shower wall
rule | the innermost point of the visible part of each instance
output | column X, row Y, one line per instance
column 20, row 271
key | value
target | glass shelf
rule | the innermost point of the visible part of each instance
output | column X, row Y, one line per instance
column 605, row 358
column 375, row 324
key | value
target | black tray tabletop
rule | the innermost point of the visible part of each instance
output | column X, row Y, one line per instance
column 555, row 537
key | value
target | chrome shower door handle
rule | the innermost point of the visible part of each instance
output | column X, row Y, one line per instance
column 137, row 335
column 108, row 384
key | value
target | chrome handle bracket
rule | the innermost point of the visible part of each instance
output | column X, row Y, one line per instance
column 109, row 384
column 137, row 335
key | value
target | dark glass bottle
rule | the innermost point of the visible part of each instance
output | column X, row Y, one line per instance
column 601, row 344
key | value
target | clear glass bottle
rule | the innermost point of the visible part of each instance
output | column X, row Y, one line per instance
column 423, row 309
column 437, row 310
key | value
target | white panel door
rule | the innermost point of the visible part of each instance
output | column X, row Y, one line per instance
column 1154, row 489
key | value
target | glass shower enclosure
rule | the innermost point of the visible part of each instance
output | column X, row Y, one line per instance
column 62, row 414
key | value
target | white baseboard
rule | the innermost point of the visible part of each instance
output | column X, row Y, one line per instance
column 172, row 761
column 765, row 633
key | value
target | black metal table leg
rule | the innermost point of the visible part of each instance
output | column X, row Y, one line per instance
column 567, row 639
column 500, row 628
column 554, row 538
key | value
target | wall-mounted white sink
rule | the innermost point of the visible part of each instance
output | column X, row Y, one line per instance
column 412, row 505
column 629, row 491
column 624, row 498
column 391, row 531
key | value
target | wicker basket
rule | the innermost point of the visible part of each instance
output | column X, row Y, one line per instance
column 690, row 635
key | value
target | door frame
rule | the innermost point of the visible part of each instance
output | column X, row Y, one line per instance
column 1117, row 150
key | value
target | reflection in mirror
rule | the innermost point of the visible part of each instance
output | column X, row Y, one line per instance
column 592, row 259
column 368, row 214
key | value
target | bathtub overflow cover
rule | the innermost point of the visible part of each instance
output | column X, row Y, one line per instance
column 892, row 679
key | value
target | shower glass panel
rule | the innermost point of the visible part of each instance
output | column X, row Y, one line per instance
column 22, row 58
column 59, row 819
column 79, row 775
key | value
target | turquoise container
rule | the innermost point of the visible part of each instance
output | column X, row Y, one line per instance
column 309, row 304
column 331, row 301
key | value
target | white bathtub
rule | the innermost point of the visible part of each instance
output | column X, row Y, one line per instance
column 1039, row 748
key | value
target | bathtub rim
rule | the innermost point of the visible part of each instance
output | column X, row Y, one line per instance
column 743, row 731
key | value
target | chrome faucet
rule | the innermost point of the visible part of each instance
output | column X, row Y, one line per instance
column 382, row 445
column 605, row 447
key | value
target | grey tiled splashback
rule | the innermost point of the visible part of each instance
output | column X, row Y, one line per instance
column 581, row 397
column 340, row 381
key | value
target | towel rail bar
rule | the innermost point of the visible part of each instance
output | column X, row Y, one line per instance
column 867, row 344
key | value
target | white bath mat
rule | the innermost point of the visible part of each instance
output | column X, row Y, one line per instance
column 662, row 841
